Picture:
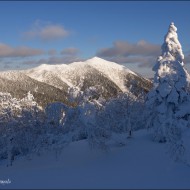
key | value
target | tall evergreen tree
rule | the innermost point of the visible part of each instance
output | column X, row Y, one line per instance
column 165, row 102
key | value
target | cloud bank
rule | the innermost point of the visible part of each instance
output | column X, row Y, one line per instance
column 124, row 52
column 70, row 51
column 54, row 60
column 22, row 51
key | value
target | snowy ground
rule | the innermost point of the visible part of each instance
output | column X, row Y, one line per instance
column 139, row 164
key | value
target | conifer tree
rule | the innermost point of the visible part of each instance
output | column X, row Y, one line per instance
column 165, row 102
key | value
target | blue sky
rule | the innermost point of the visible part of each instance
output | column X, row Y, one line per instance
column 54, row 32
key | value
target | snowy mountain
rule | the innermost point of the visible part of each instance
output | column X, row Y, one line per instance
column 71, row 74
column 46, row 80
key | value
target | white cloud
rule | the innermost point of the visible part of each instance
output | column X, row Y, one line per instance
column 46, row 31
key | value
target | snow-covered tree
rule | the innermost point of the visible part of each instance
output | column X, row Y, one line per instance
column 55, row 113
column 169, row 96
column 20, row 122
column 84, row 120
column 9, row 110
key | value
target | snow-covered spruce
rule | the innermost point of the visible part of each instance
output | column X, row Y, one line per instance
column 169, row 102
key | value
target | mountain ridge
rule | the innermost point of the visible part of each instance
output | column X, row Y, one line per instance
column 111, row 78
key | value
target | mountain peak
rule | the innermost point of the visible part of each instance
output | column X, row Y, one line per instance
column 96, row 59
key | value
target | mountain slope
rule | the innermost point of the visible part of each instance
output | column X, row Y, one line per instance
column 115, row 72
column 18, row 84
column 141, row 164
